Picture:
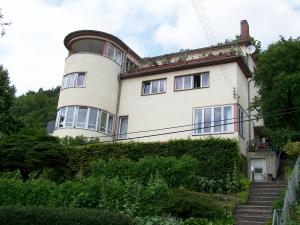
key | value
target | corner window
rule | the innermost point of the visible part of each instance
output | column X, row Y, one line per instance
column 73, row 80
column 154, row 87
column 210, row 120
column 114, row 54
column 123, row 124
column 241, row 122
column 192, row 81
column 85, row 118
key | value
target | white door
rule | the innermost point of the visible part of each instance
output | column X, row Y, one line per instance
column 258, row 169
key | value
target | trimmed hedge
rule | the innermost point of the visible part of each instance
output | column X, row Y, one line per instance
column 216, row 156
column 61, row 216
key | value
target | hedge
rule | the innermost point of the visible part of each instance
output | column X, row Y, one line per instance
column 129, row 197
column 61, row 216
column 216, row 156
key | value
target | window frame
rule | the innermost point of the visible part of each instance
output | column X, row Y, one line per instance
column 196, row 128
column 158, row 88
column 115, row 49
column 65, row 80
column 192, row 86
column 119, row 128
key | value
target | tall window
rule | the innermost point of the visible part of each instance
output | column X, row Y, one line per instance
column 209, row 120
column 241, row 122
column 123, row 124
column 73, row 80
column 86, row 118
column 192, row 81
column 154, row 87
column 114, row 54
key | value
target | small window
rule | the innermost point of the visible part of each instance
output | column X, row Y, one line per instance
column 110, row 51
column 92, row 124
column 123, row 124
column 73, row 80
column 81, row 117
column 114, row 54
column 103, row 121
column 241, row 122
column 110, row 124
column 70, row 116
column 192, row 81
column 154, row 87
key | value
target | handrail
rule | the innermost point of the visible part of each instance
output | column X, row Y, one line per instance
column 290, row 196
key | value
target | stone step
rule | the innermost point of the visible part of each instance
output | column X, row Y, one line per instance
column 264, row 194
column 244, row 222
column 265, row 191
column 264, row 213
column 262, row 198
column 260, row 203
column 253, row 218
column 254, row 207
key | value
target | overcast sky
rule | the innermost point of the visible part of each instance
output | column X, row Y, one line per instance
column 33, row 52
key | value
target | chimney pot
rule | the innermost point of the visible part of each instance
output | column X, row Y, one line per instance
column 245, row 37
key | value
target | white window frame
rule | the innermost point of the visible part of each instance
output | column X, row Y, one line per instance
column 192, row 81
column 119, row 128
column 160, row 81
column 212, row 130
column 65, row 80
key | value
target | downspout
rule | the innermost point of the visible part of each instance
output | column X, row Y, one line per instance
column 249, row 111
column 116, row 123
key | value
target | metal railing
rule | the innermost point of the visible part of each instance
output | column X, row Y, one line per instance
column 290, row 197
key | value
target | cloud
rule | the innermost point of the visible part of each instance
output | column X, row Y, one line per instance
column 34, row 54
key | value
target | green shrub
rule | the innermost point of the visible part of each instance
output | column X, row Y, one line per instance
column 292, row 149
column 216, row 156
column 185, row 204
column 78, row 140
column 61, row 216
column 113, row 194
column 158, row 220
column 204, row 221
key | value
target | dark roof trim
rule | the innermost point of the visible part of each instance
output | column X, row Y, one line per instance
column 189, row 65
column 108, row 36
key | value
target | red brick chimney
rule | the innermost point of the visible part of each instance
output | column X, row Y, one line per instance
column 245, row 37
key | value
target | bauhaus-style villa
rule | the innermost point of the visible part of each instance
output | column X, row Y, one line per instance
column 108, row 91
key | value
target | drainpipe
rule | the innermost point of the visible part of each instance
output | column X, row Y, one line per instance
column 116, row 123
column 249, row 111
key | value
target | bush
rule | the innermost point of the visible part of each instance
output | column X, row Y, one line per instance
column 158, row 220
column 61, row 216
column 78, row 140
column 292, row 149
column 185, row 204
column 176, row 172
column 129, row 197
column 216, row 156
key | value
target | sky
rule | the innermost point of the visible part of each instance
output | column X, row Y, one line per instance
column 33, row 52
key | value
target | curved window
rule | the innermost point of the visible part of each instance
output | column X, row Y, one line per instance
column 85, row 118
column 73, row 80
column 89, row 45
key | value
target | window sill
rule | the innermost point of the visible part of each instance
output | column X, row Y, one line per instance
column 154, row 93
column 217, row 133
column 190, row 89
column 62, row 89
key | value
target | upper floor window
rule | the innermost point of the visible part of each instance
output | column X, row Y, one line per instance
column 154, row 87
column 241, row 122
column 209, row 120
column 73, row 80
column 114, row 53
column 85, row 117
column 192, row 81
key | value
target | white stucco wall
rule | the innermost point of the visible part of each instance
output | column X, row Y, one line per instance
column 101, row 90
column 74, row 132
column 175, row 108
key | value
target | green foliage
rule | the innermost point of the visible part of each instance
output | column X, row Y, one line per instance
column 61, row 216
column 278, row 79
column 176, row 172
column 278, row 203
column 203, row 221
column 35, row 110
column 7, row 97
column 185, row 204
column 78, row 140
column 211, row 153
column 245, row 189
column 29, row 153
column 158, row 220
column 129, row 197
column 292, row 149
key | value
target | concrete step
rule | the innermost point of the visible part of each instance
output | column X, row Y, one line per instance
column 254, row 207
column 260, row 203
column 243, row 213
column 253, row 218
column 265, row 191
column 244, row 222
column 262, row 198
column 264, row 194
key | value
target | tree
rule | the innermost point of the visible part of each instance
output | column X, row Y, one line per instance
column 278, row 79
column 35, row 110
column 7, row 96
column 28, row 154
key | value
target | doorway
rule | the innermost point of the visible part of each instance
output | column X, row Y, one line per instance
column 258, row 170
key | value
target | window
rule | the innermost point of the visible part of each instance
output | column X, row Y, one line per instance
column 73, row 80
column 209, row 120
column 114, row 54
column 192, row 81
column 86, row 118
column 154, row 87
column 241, row 122
column 123, row 124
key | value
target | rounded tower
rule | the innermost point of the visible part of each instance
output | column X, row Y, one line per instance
column 88, row 100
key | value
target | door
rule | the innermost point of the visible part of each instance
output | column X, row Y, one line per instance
column 258, row 170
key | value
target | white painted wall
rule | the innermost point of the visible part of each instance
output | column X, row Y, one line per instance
column 74, row 132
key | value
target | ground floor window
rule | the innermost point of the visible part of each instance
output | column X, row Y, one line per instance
column 216, row 119
column 123, row 124
column 85, row 117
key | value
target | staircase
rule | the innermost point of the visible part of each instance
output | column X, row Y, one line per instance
column 258, row 210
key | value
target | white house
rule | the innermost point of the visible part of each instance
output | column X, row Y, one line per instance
column 108, row 91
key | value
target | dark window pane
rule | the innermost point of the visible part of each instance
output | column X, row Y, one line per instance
column 197, row 81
